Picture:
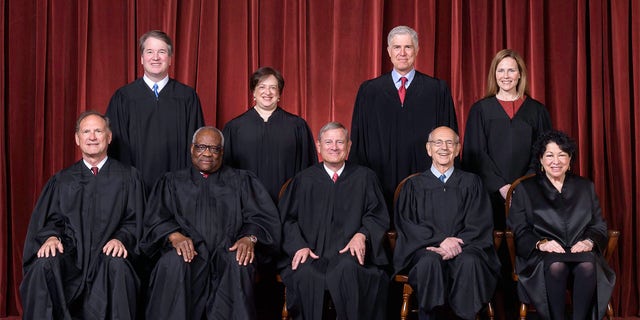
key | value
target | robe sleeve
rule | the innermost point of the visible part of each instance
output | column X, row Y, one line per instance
column 447, row 115
column 308, row 155
column 475, row 156
column 46, row 221
column 118, row 114
column 523, row 231
column 159, row 217
column 413, row 232
column 375, row 221
column 292, row 235
column 597, row 228
column 131, row 228
column 478, row 222
column 260, row 216
column 358, row 153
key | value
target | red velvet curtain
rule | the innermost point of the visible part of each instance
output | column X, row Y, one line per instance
column 62, row 57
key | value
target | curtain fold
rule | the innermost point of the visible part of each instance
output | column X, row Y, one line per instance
column 60, row 58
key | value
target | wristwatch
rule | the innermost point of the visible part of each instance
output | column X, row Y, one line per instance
column 253, row 239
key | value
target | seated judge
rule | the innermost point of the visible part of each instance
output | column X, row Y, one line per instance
column 335, row 219
column 82, row 234
column 206, row 224
column 445, row 234
column 560, row 234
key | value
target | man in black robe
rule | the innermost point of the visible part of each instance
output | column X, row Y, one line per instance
column 443, row 218
column 205, row 223
column 335, row 220
column 388, row 133
column 154, row 117
column 82, row 233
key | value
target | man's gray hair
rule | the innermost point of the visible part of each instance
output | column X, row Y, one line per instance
column 403, row 30
column 214, row 129
column 333, row 125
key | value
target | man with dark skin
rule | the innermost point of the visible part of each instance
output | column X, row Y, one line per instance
column 206, row 223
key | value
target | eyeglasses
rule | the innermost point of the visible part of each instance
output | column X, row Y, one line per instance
column 439, row 143
column 200, row 148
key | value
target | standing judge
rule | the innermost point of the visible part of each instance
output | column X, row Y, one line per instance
column 82, row 234
column 335, row 220
column 501, row 129
column 267, row 140
column 393, row 112
column 207, row 222
column 445, row 241
column 154, row 117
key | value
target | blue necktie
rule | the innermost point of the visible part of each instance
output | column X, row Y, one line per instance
column 155, row 89
column 442, row 177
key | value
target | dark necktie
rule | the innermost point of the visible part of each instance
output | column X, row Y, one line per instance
column 402, row 91
column 442, row 177
column 335, row 177
column 155, row 89
column 94, row 170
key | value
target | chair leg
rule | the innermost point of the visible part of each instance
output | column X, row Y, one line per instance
column 609, row 311
column 490, row 312
column 523, row 311
column 285, row 312
column 406, row 294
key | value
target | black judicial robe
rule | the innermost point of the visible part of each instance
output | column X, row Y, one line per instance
column 427, row 212
column 389, row 137
column 85, row 212
column 498, row 148
column 154, row 134
column 539, row 211
column 324, row 216
column 214, row 212
column 274, row 150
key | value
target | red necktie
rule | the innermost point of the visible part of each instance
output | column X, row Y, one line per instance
column 335, row 177
column 402, row 91
column 205, row 175
column 94, row 170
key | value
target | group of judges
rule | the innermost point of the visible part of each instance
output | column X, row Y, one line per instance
column 165, row 218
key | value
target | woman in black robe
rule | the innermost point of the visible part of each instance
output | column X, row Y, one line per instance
column 267, row 140
column 560, row 234
column 501, row 129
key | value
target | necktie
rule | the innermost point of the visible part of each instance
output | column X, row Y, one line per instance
column 442, row 177
column 94, row 170
column 402, row 91
column 205, row 175
column 335, row 177
column 155, row 89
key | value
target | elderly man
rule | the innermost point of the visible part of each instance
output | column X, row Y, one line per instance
column 444, row 224
column 335, row 220
column 392, row 111
column 82, row 233
column 154, row 117
column 206, row 223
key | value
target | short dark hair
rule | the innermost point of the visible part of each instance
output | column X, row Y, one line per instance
column 158, row 35
column 560, row 138
column 92, row 113
column 263, row 73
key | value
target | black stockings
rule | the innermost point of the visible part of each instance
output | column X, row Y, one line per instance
column 584, row 286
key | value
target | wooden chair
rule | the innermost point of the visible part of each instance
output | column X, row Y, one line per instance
column 407, row 290
column 608, row 252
